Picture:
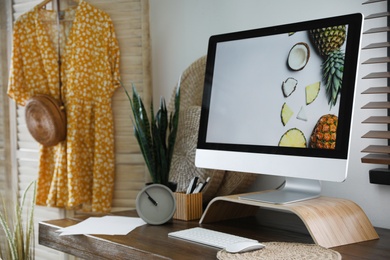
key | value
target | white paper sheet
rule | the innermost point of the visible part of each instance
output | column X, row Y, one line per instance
column 107, row 225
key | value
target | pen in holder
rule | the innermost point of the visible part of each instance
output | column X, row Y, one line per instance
column 188, row 206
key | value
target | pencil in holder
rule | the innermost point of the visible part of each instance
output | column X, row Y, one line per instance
column 188, row 206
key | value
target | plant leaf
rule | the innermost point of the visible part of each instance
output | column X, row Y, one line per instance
column 8, row 233
column 142, row 130
column 162, row 122
column 20, row 241
column 156, row 147
column 174, row 122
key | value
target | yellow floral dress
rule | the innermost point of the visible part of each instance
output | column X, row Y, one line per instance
column 79, row 172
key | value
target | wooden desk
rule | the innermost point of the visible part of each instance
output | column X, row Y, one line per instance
column 152, row 242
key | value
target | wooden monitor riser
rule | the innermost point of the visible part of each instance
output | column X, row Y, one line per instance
column 330, row 221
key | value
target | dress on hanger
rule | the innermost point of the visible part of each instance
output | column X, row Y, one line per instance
column 79, row 172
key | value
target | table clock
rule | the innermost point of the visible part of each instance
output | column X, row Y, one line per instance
column 155, row 204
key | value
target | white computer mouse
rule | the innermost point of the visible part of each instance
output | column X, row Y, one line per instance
column 241, row 247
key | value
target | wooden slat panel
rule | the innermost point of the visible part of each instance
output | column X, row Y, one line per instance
column 131, row 159
column 376, row 159
column 27, row 157
column 373, row 1
column 377, row 90
column 377, row 75
column 377, row 45
column 377, row 60
column 376, row 105
column 377, row 135
column 130, row 172
column 383, row 157
column 3, row 74
column 377, row 30
column 377, row 15
column 131, row 22
column 377, row 120
column 377, row 149
column 124, row 148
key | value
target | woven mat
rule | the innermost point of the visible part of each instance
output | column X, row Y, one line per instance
column 284, row 251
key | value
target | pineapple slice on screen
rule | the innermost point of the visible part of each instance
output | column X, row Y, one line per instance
column 286, row 113
column 293, row 138
column 312, row 92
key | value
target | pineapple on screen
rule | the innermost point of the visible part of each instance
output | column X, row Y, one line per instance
column 333, row 68
column 328, row 42
column 328, row 39
column 293, row 138
column 324, row 133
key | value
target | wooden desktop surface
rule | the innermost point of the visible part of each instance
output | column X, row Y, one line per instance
column 152, row 242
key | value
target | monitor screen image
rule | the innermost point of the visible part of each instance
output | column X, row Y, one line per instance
column 279, row 101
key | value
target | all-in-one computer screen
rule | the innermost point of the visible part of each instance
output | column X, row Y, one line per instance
column 279, row 101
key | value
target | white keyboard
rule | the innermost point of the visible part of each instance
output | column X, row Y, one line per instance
column 208, row 237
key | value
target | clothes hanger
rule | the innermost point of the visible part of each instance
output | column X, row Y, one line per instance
column 45, row 2
column 56, row 7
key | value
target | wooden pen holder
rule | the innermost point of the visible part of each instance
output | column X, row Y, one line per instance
column 188, row 206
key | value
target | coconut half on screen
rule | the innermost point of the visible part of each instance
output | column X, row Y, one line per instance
column 298, row 56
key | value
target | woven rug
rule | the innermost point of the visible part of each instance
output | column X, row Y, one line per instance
column 284, row 251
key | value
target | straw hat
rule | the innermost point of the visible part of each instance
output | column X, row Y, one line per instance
column 183, row 161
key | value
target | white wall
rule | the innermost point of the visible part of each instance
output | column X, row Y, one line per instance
column 180, row 31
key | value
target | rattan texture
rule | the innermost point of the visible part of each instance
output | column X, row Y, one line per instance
column 46, row 120
column 284, row 251
column 183, row 161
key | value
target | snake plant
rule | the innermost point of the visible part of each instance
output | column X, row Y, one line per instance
column 156, row 137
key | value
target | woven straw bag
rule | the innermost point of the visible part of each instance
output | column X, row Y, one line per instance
column 46, row 119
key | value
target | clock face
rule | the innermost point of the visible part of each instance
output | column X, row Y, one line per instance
column 156, row 204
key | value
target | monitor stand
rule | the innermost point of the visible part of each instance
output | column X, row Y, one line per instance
column 293, row 190
column 330, row 221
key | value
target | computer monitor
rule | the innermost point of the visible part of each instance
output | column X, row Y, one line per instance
column 279, row 101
